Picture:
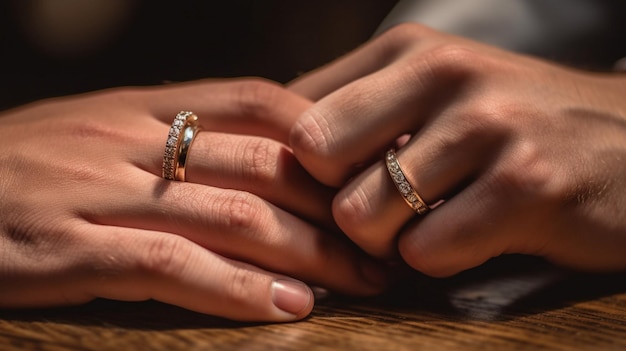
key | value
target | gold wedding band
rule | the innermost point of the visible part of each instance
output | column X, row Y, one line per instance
column 182, row 133
column 409, row 194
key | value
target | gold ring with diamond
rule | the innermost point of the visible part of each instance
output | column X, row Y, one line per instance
column 410, row 196
column 182, row 133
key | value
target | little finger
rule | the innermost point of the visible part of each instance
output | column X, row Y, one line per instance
column 135, row 265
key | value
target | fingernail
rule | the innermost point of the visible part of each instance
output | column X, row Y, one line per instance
column 373, row 272
column 290, row 295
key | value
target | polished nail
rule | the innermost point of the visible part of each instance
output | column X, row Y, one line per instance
column 291, row 296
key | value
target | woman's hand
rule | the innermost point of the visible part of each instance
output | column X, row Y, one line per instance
column 84, row 212
column 529, row 157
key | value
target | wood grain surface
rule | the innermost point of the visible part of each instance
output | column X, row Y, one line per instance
column 510, row 303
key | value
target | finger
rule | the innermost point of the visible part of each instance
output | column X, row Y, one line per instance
column 437, row 163
column 361, row 62
column 466, row 231
column 510, row 207
column 263, row 167
column 258, row 165
column 135, row 265
column 349, row 127
column 243, row 106
column 242, row 226
column 450, row 239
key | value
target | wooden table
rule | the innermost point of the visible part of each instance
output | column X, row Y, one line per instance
column 511, row 303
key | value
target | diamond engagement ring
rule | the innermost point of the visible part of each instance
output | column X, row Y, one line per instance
column 410, row 196
column 184, row 129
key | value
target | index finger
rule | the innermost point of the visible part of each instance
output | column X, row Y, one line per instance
column 352, row 127
column 365, row 60
column 250, row 106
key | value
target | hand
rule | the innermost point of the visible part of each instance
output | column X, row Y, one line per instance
column 84, row 212
column 528, row 156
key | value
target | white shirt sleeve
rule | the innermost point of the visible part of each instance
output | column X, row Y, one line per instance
column 529, row 26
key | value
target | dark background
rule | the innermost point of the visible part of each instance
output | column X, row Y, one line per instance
column 155, row 41
column 151, row 41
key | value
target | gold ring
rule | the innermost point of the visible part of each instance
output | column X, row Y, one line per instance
column 410, row 196
column 183, row 131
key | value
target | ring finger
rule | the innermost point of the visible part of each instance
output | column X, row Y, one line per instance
column 247, row 158
column 436, row 163
column 225, row 217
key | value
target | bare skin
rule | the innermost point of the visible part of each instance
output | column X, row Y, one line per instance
column 529, row 156
column 84, row 212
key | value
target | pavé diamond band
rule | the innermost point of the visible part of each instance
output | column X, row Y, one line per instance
column 184, row 129
column 410, row 196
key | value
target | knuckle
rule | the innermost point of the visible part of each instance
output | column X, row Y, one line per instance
column 352, row 211
column 257, row 98
column 525, row 175
column 446, row 62
column 260, row 159
column 489, row 117
column 404, row 34
column 312, row 134
column 440, row 71
column 242, row 286
column 500, row 108
column 164, row 255
column 495, row 117
column 454, row 59
column 315, row 146
column 453, row 54
column 242, row 212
